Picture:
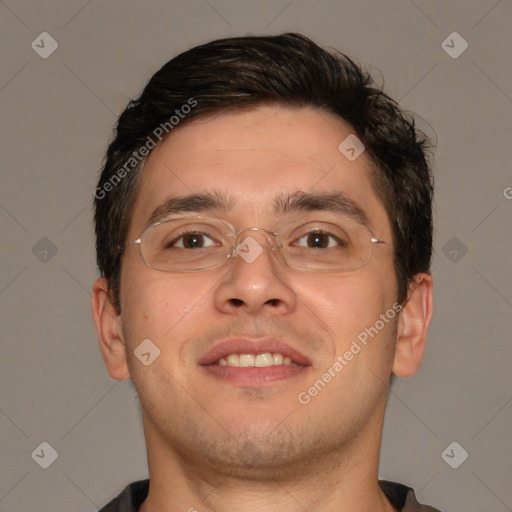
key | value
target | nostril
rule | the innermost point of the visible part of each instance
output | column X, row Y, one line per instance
column 236, row 302
column 273, row 302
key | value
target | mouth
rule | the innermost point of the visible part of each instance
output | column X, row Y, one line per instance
column 253, row 362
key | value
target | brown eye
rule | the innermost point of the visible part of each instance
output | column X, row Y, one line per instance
column 192, row 240
column 319, row 240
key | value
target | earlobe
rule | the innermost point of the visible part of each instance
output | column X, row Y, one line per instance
column 413, row 325
column 110, row 335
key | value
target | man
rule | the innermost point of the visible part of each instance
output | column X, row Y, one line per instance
column 264, row 235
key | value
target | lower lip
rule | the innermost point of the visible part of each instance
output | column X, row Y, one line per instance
column 252, row 375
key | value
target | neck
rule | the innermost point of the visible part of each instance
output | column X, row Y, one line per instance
column 344, row 480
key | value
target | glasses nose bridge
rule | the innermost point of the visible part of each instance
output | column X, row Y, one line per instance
column 270, row 236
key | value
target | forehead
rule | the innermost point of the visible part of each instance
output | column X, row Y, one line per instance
column 254, row 156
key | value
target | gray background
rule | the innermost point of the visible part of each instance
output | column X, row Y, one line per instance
column 57, row 114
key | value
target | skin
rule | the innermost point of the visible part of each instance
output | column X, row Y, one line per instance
column 214, row 446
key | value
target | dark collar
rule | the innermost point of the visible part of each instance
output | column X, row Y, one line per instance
column 133, row 496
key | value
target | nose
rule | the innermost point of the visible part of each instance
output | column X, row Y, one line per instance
column 257, row 281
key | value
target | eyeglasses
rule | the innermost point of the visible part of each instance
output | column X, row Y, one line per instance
column 191, row 244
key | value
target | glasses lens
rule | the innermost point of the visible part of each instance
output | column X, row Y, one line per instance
column 328, row 246
column 190, row 244
column 185, row 244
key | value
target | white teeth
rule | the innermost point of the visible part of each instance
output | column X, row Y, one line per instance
column 277, row 358
column 245, row 360
column 263, row 359
column 232, row 360
column 259, row 361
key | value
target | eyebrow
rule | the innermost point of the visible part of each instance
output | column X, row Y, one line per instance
column 336, row 202
column 191, row 203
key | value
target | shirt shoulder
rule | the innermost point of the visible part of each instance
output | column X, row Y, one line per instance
column 130, row 499
column 403, row 497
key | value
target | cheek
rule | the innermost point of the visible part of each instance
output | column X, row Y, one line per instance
column 348, row 305
column 165, row 310
column 155, row 305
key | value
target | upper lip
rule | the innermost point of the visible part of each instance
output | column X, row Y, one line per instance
column 245, row 345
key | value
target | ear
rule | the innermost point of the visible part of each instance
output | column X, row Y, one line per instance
column 110, row 335
column 413, row 325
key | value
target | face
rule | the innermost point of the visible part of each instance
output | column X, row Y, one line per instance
column 251, row 419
